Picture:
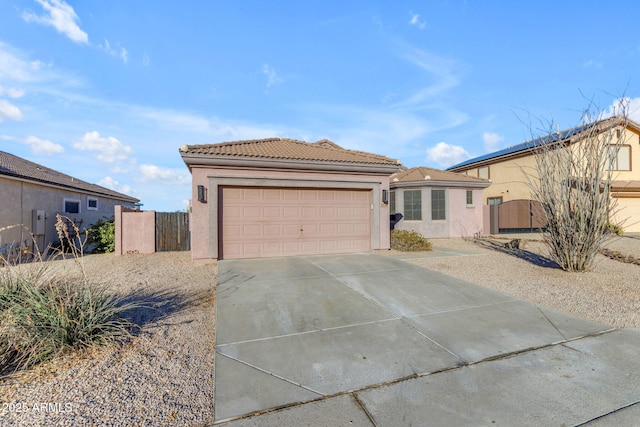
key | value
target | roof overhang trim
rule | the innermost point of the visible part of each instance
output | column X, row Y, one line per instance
column 437, row 183
column 192, row 160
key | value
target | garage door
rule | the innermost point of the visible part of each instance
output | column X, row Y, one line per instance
column 269, row 222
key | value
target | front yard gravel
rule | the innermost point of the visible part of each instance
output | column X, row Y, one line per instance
column 608, row 294
column 163, row 376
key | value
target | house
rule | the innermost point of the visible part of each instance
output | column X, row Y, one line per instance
column 279, row 197
column 436, row 203
column 32, row 195
column 506, row 170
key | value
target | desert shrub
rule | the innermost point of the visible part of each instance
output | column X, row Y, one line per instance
column 614, row 229
column 44, row 313
column 573, row 179
column 103, row 235
column 409, row 241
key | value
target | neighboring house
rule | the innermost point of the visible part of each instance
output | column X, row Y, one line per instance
column 279, row 197
column 505, row 169
column 32, row 195
column 438, row 204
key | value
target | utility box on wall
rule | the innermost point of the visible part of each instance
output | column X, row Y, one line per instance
column 37, row 222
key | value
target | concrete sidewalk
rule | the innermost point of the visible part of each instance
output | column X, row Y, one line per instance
column 372, row 340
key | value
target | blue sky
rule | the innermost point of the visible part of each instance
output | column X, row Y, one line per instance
column 108, row 91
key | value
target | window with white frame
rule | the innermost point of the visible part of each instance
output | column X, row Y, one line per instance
column 92, row 204
column 71, row 206
column 619, row 158
column 483, row 172
column 469, row 197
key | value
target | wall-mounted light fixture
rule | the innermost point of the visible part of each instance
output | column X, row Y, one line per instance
column 202, row 194
column 385, row 197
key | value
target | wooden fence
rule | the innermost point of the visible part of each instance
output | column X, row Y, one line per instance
column 149, row 231
column 172, row 231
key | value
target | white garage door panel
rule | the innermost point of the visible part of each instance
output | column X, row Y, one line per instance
column 279, row 222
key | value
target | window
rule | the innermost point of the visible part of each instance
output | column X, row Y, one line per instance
column 438, row 208
column 494, row 200
column 392, row 202
column 71, row 206
column 483, row 172
column 469, row 197
column 413, row 205
column 620, row 160
column 92, row 204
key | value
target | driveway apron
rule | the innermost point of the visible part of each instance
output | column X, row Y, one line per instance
column 375, row 339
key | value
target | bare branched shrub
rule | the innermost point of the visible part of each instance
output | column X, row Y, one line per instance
column 573, row 177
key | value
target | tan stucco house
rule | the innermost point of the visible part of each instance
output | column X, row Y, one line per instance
column 506, row 169
column 32, row 195
column 436, row 203
column 279, row 197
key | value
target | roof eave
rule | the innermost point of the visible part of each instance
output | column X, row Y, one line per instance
column 439, row 183
column 114, row 196
column 267, row 163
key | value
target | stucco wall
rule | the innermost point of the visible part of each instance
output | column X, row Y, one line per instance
column 204, row 243
column 20, row 198
column 460, row 220
column 135, row 231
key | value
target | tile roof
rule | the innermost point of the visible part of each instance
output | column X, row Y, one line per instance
column 287, row 149
column 14, row 166
column 525, row 147
column 422, row 174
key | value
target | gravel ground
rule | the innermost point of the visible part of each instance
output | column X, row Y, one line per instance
column 163, row 376
column 609, row 293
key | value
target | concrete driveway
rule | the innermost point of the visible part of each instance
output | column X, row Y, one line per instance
column 370, row 340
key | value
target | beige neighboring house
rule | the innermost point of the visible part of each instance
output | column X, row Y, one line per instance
column 505, row 169
column 436, row 203
column 32, row 194
column 279, row 197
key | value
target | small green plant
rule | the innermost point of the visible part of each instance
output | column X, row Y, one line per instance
column 614, row 228
column 45, row 313
column 409, row 241
column 103, row 235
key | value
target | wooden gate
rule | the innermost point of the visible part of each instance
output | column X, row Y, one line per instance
column 517, row 216
column 172, row 231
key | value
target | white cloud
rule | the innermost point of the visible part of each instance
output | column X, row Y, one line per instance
column 591, row 64
column 114, row 185
column 60, row 16
column 491, row 141
column 272, row 77
column 165, row 176
column 116, row 51
column 214, row 128
column 9, row 111
column 42, row 146
column 108, row 149
column 146, row 60
column 442, row 71
column 446, row 155
column 416, row 22
column 11, row 92
column 124, row 55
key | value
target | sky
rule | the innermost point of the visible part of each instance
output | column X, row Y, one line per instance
column 107, row 92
